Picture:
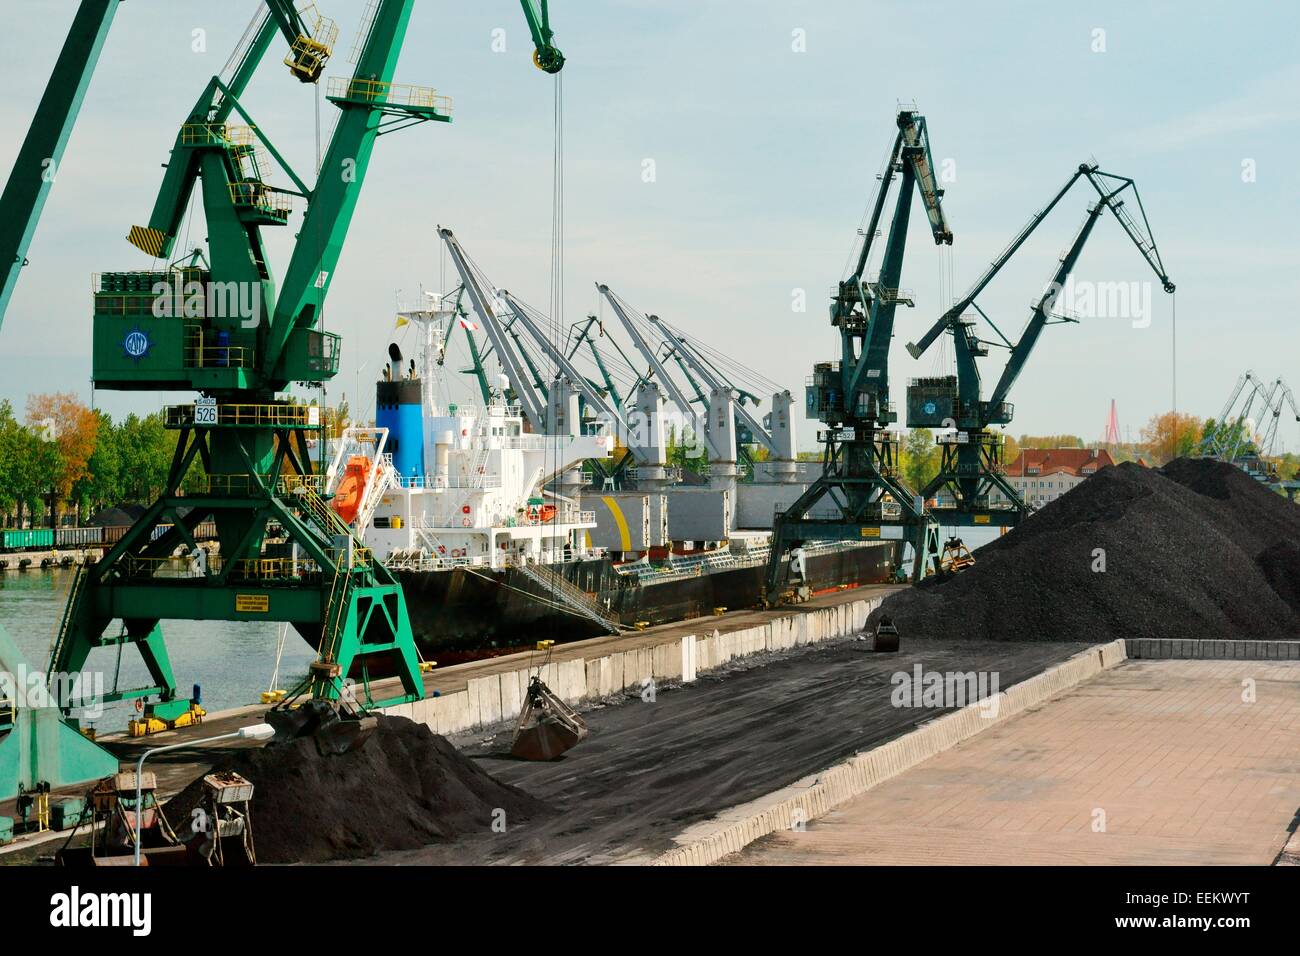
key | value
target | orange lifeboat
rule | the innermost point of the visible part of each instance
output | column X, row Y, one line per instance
column 347, row 499
column 541, row 515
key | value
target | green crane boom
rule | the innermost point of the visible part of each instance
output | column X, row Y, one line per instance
column 39, row 157
column 546, row 55
column 971, row 466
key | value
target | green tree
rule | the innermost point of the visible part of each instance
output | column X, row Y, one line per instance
column 29, row 466
column 687, row 455
column 1051, row 441
column 919, row 458
column 1233, row 437
column 102, row 485
column 146, row 449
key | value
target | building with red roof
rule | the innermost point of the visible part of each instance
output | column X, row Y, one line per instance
column 1044, row 474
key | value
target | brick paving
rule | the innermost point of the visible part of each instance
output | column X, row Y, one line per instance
column 1151, row 763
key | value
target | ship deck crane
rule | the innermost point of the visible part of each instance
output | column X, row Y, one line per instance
column 692, row 420
column 584, row 335
column 700, row 367
column 851, row 396
column 971, row 463
column 484, row 296
column 226, row 332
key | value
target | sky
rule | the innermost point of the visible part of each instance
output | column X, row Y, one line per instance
column 766, row 123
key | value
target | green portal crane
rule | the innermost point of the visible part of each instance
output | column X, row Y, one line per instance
column 39, row 157
column 971, row 465
column 216, row 323
column 851, row 396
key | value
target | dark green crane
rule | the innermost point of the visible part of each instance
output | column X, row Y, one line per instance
column 851, row 396
column 971, row 466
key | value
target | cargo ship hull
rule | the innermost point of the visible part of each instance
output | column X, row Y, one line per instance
column 477, row 609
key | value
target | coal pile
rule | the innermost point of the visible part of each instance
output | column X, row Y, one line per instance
column 406, row 788
column 1196, row 549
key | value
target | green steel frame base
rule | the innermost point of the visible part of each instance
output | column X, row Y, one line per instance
column 976, row 518
column 335, row 595
column 969, row 472
column 858, row 475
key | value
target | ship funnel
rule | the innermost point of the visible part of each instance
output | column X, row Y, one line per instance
column 399, row 407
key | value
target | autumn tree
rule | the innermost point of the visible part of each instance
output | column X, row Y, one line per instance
column 102, row 483
column 1171, row 435
column 1010, row 450
column 59, row 418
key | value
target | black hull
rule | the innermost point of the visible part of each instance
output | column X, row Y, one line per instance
column 467, row 610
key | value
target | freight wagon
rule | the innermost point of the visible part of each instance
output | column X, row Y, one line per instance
column 26, row 539
column 44, row 539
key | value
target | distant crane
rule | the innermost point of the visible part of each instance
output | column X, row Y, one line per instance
column 971, row 464
column 1245, row 433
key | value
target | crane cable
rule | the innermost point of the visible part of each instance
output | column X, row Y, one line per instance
column 557, row 298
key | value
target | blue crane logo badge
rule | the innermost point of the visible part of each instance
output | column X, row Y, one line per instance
column 136, row 345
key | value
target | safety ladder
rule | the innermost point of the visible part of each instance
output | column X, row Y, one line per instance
column 336, row 611
column 478, row 471
column 69, row 615
column 571, row 596
column 325, row 517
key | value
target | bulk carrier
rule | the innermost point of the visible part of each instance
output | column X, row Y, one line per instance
column 498, row 535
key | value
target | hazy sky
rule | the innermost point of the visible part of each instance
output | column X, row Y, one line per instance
column 764, row 160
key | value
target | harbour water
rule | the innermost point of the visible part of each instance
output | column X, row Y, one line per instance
column 232, row 662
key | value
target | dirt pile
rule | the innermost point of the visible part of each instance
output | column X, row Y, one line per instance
column 1196, row 549
column 405, row 788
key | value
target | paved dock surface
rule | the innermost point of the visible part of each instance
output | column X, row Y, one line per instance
column 1151, row 763
column 649, row 770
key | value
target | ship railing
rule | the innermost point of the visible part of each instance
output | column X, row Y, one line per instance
column 438, row 483
column 436, row 562
column 532, row 442
column 564, row 516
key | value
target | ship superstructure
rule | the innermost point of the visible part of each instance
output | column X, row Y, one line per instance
column 434, row 486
